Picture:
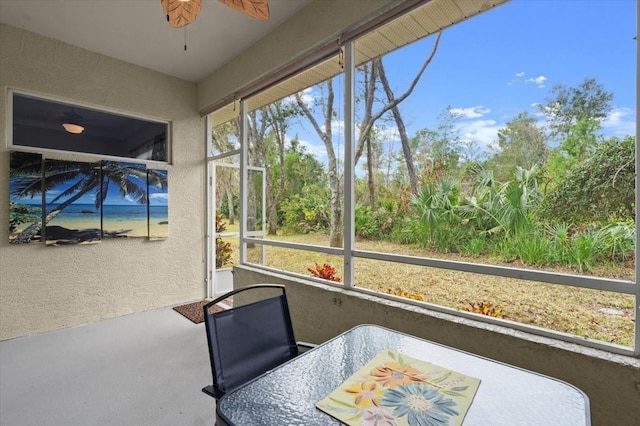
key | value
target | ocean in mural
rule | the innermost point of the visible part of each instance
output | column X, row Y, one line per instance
column 85, row 202
column 158, row 204
column 124, row 205
column 117, row 220
column 71, row 190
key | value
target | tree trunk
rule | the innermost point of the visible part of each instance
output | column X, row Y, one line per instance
column 232, row 214
column 335, row 218
column 367, row 125
column 402, row 130
column 372, row 189
column 33, row 229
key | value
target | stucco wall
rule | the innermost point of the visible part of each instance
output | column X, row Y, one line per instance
column 320, row 312
column 45, row 288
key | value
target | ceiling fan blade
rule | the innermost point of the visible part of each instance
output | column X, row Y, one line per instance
column 258, row 9
column 181, row 13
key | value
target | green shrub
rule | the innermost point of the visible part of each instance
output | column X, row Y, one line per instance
column 376, row 225
column 584, row 250
column 476, row 246
column 306, row 213
column 618, row 241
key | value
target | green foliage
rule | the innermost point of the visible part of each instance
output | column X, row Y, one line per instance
column 22, row 213
column 521, row 143
column 476, row 246
column 223, row 207
column 618, row 241
column 600, row 188
column 307, row 212
column 559, row 236
column 375, row 224
column 502, row 208
column 302, row 169
column 436, row 206
column 587, row 103
column 533, row 248
column 406, row 231
column 584, row 250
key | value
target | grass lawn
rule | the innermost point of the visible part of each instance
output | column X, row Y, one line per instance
column 589, row 313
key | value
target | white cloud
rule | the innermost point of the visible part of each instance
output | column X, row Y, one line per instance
column 317, row 150
column 482, row 133
column 337, row 127
column 306, row 96
column 388, row 133
column 471, row 112
column 159, row 196
column 620, row 122
column 519, row 75
column 538, row 81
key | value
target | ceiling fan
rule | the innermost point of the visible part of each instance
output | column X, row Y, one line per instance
column 183, row 12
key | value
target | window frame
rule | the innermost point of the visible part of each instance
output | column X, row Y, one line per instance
column 349, row 252
column 11, row 92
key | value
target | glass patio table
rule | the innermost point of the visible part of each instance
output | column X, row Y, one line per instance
column 507, row 395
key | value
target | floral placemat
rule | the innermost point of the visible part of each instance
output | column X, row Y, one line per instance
column 395, row 389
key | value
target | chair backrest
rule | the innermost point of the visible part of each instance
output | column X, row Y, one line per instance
column 248, row 340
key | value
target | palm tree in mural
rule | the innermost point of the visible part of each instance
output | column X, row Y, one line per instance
column 84, row 178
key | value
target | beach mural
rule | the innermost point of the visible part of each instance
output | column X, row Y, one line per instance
column 72, row 202
column 84, row 202
column 158, row 212
column 124, row 200
column 25, row 197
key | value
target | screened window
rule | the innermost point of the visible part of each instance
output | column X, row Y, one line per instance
column 442, row 166
column 43, row 124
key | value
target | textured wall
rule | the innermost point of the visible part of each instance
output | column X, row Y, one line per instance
column 320, row 312
column 45, row 288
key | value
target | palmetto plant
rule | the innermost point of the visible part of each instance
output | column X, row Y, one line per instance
column 436, row 204
column 502, row 207
column 84, row 178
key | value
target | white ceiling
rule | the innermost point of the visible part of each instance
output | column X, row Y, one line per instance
column 137, row 31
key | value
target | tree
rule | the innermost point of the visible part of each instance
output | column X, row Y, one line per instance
column 369, row 119
column 325, row 133
column 302, row 169
column 521, row 143
column 278, row 116
column 600, row 189
column 574, row 115
column 568, row 106
column 392, row 102
column 226, row 177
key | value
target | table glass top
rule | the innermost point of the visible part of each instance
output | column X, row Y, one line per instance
column 506, row 396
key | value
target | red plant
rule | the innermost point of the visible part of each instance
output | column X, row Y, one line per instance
column 325, row 271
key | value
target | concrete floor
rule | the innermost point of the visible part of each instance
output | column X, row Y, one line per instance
column 140, row 369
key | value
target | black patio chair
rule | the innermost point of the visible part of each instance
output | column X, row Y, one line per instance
column 247, row 341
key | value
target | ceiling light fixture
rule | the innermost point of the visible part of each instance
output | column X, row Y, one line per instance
column 76, row 129
column 71, row 120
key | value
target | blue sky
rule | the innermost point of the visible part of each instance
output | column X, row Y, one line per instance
column 503, row 62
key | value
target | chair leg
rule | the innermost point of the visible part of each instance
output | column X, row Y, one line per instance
column 209, row 391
